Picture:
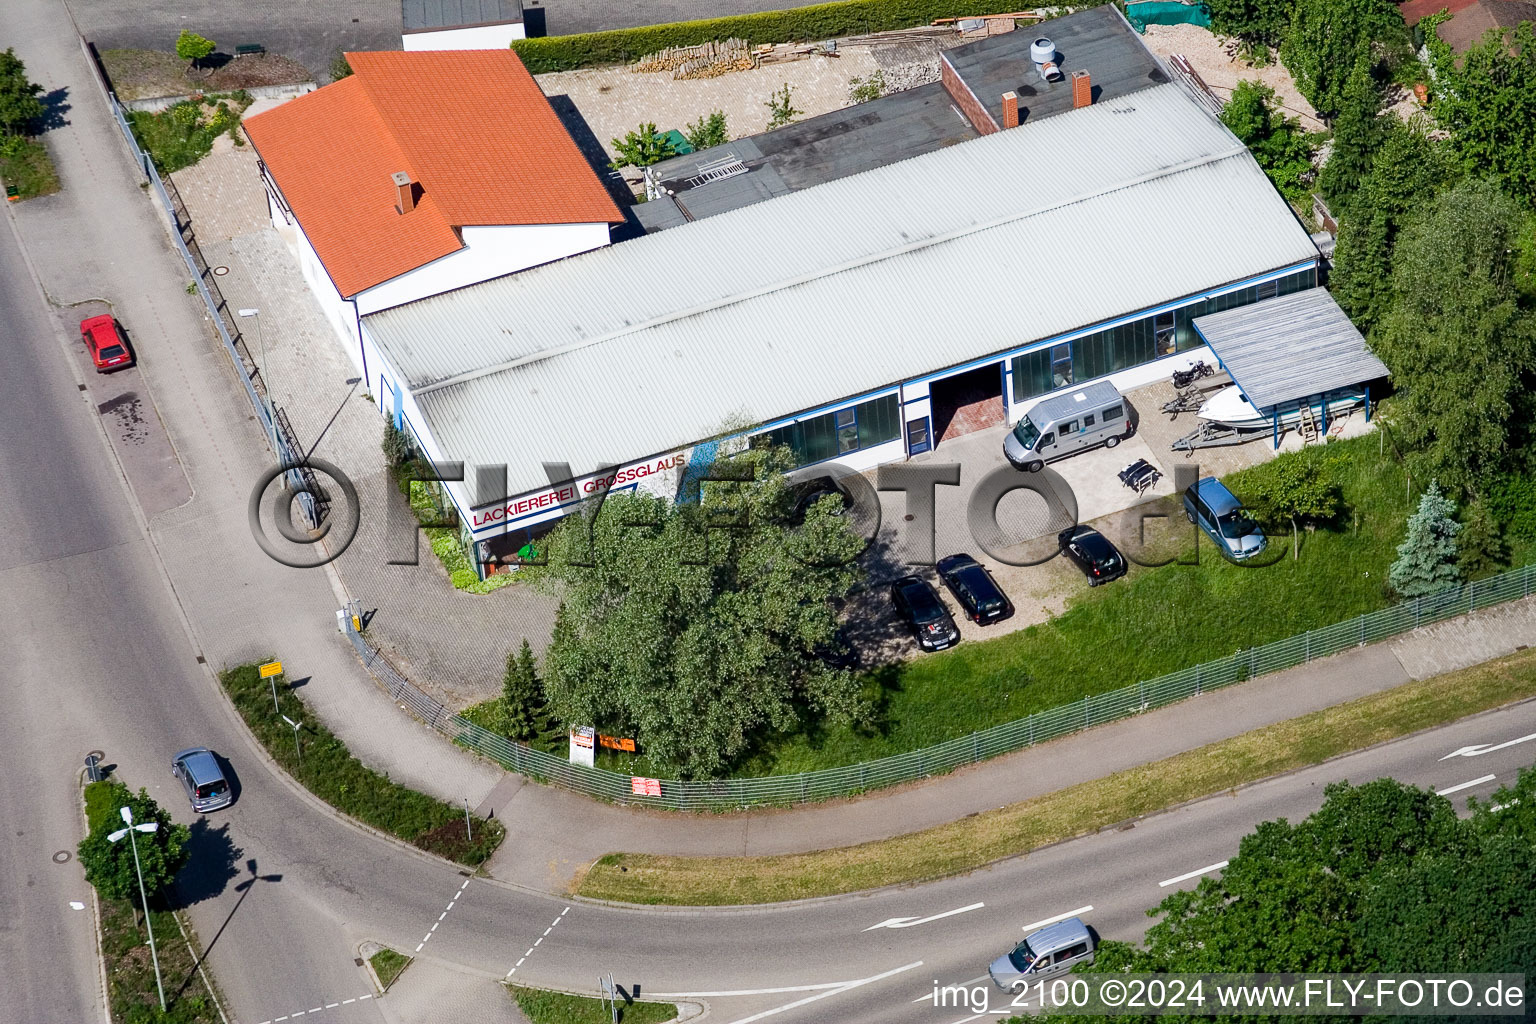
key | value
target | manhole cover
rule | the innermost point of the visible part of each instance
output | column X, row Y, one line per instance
column 62, row 857
column 220, row 271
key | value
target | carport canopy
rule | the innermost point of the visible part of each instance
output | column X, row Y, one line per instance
column 1289, row 348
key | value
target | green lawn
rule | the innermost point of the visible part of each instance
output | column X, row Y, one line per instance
column 327, row 769
column 542, row 1007
column 388, row 964
column 1153, row 621
column 30, row 169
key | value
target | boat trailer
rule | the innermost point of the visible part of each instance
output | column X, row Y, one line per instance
column 1216, row 435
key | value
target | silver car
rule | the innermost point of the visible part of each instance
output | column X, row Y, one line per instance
column 203, row 779
column 1049, row 952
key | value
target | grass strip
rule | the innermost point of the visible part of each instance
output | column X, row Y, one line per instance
column 544, row 1007
column 131, row 992
column 1087, row 807
column 388, row 964
column 327, row 769
column 28, row 167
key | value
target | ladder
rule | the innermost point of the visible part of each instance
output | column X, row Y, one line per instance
column 1310, row 431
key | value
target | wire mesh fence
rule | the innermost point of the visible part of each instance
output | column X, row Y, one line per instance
column 1095, row 709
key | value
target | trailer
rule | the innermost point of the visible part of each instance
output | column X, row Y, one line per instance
column 1215, row 435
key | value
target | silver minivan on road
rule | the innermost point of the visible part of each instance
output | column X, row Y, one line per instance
column 1047, row 953
column 1067, row 424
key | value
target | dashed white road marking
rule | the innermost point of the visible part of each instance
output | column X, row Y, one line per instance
column 444, row 914
column 1186, row 876
column 325, row 1006
column 540, row 939
column 1465, row 785
column 1059, row 917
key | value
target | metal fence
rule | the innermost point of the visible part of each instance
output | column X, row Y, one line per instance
column 284, row 446
column 978, row 746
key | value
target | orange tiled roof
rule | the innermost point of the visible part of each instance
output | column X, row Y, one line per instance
column 471, row 127
column 1413, row 10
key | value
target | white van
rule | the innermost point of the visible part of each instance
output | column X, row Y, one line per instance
column 1066, row 424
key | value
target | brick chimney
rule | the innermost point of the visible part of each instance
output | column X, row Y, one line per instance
column 1010, row 110
column 407, row 192
column 1082, row 89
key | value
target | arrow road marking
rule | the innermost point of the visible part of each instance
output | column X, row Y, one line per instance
column 1483, row 748
column 1465, row 785
column 1058, row 917
column 1192, row 874
column 909, row 922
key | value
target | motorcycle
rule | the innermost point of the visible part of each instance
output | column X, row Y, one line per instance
column 1184, row 378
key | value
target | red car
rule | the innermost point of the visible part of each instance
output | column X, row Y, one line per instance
column 105, row 341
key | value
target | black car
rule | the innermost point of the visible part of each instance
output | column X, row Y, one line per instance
column 919, row 606
column 1100, row 560
column 975, row 589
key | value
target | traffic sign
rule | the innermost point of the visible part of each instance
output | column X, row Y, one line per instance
column 270, row 669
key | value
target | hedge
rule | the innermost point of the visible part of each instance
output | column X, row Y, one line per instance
column 821, row 21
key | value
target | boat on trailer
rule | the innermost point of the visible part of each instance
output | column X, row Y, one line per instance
column 1229, row 407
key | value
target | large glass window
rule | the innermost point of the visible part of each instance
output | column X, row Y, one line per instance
column 829, row 435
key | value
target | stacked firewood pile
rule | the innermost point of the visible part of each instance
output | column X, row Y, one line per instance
column 707, row 60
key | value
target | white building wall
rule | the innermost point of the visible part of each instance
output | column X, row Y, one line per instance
column 488, row 252
column 480, row 37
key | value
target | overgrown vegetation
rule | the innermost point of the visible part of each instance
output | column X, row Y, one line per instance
column 326, row 768
column 544, row 1007
column 1276, row 141
column 24, row 161
column 132, row 995
column 183, row 133
column 1013, row 831
column 862, row 90
column 819, row 21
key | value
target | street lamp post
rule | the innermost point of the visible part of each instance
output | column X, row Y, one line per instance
column 149, row 826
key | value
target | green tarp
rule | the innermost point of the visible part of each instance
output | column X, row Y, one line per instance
column 1163, row 12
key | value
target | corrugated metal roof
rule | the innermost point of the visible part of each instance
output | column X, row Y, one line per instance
column 1289, row 347
column 418, row 15
column 843, row 288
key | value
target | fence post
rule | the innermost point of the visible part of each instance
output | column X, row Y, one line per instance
column 1197, row 680
column 1306, row 646
column 1417, row 602
column 1471, row 596
column 1086, row 723
column 1141, row 693
column 1362, row 629
column 975, row 747
column 1031, row 728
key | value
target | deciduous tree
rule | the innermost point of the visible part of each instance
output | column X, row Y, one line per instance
column 1458, row 340
column 1299, row 489
column 1426, row 559
column 693, row 627
column 1487, row 99
column 1407, row 171
column 109, row 866
column 1325, row 40
column 19, row 105
column 1256, row 22
column 642, row 147
column 192, row 47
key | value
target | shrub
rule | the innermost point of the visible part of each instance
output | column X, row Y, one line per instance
column 781, row 110
column 329, row 771
column 642, row 147
column 397, row 445
column 862, row 90
column 709, row 130
column 1512, row 501
column 819, row 21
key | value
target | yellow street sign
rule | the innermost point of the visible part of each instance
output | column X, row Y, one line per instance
column 271, row 668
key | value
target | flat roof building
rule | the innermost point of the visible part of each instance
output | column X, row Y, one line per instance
column 848, row 319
